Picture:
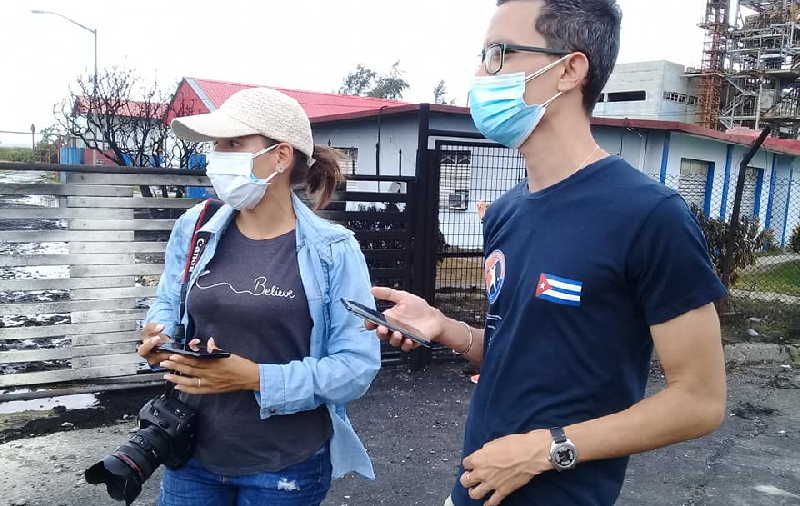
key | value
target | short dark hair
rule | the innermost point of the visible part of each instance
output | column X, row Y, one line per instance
column 591, row 27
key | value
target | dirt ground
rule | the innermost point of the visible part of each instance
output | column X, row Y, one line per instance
column 412, row 426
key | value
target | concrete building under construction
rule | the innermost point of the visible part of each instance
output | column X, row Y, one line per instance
column 750, row 72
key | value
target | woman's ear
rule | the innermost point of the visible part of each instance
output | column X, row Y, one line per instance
column 285, row 154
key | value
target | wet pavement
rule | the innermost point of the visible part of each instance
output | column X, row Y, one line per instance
column 412, row 426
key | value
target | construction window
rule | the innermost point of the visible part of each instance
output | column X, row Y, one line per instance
column 628, row 96
column 456, row 174
column 694, row 181
column 349, row 160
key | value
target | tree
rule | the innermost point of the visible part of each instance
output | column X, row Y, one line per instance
column 366, row 82
column 390, row 85
column 358, row 81
column 124, row 118
column 48, row 146
column 440, row 93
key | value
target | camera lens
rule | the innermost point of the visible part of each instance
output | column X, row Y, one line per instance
column 165, row 437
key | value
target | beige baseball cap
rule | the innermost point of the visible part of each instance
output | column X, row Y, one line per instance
column 261, row 111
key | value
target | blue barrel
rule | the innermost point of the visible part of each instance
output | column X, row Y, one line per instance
column 71, row 156
column 198, row 162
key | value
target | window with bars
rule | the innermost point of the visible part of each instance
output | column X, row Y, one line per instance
column 456, row 174
column 456, row 157
column 693, row 181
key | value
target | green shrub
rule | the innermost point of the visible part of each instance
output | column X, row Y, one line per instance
column 794, row 242
column 748, row 242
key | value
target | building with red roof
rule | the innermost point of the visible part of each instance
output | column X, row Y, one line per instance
column 390, row 137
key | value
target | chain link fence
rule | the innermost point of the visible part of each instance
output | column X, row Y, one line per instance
column 765, row 279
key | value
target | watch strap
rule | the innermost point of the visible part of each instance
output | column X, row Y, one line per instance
column 559, row 436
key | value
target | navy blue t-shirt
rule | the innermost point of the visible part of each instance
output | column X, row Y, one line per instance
column 575, row 275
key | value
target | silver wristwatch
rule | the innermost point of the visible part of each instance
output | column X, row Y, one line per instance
column 563, row 454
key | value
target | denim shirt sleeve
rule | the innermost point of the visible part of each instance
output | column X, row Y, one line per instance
column 165, row 307
column 353, row 355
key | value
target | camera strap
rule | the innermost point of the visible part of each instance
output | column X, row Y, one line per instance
column 196, row 248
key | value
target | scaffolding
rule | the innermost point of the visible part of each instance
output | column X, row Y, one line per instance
column 709, row 88
column 760, row 81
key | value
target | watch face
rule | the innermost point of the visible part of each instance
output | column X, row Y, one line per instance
column 564, row 456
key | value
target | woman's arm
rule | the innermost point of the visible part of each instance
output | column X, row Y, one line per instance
column 165, row 306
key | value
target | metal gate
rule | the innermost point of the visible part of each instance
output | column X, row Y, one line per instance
column 467, row 175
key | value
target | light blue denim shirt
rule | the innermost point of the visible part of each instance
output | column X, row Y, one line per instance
column 344, row 359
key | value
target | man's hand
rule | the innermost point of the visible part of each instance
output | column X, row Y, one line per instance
column 212, row 376
column 505, row 465
column 407, row 308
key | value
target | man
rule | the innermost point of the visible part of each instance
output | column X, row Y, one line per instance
column 592, row 264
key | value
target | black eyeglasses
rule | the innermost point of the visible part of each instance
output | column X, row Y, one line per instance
column 494, row 55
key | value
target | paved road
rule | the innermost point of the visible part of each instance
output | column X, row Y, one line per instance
column 413, row 424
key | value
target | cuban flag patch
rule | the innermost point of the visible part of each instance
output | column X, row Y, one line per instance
column 559, row 290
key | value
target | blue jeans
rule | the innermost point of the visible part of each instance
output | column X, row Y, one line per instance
column 304, row 484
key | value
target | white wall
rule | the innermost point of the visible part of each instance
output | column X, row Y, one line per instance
column 627, row 144
column 398, row 142
column 655, row 78
column 790, row 187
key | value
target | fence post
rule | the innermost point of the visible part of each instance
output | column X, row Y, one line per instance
column 727, row 263
column 424, row 280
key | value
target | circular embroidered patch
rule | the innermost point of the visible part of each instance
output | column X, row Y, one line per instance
column 494, row 273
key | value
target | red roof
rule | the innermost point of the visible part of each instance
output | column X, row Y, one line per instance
column 207, row 94
column 316, row 104
column 741, row 137
column 784, row 146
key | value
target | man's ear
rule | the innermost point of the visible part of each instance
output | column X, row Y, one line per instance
column 574, row 74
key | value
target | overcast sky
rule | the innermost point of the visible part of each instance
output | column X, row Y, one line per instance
column 303, row 44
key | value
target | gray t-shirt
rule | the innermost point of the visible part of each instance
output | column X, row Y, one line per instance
column 251, row 300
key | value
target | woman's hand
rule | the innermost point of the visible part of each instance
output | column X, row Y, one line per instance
column 152, row 337
column 212, row 376
column 408, row 308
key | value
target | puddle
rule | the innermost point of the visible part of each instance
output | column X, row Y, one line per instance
column 79, row 411
column 76, row 401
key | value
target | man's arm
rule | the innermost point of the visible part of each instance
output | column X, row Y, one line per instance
column 691, row 405
column 456, row 337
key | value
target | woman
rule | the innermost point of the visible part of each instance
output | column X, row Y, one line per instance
column 272, row 424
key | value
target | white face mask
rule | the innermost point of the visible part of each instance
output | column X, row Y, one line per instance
column 233, row 179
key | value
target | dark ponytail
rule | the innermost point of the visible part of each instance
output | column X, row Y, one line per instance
column 320, row 179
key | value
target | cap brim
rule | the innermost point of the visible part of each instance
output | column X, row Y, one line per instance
column 207, row 127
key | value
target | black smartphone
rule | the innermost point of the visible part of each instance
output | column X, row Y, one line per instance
column 379, row 318
column 189, row 353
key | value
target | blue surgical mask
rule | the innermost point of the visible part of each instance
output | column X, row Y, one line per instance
column 498, row 108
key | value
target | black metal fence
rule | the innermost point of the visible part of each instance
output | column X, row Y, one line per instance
column 471, row 176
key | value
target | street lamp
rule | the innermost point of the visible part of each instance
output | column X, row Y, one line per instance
column 90, row 30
